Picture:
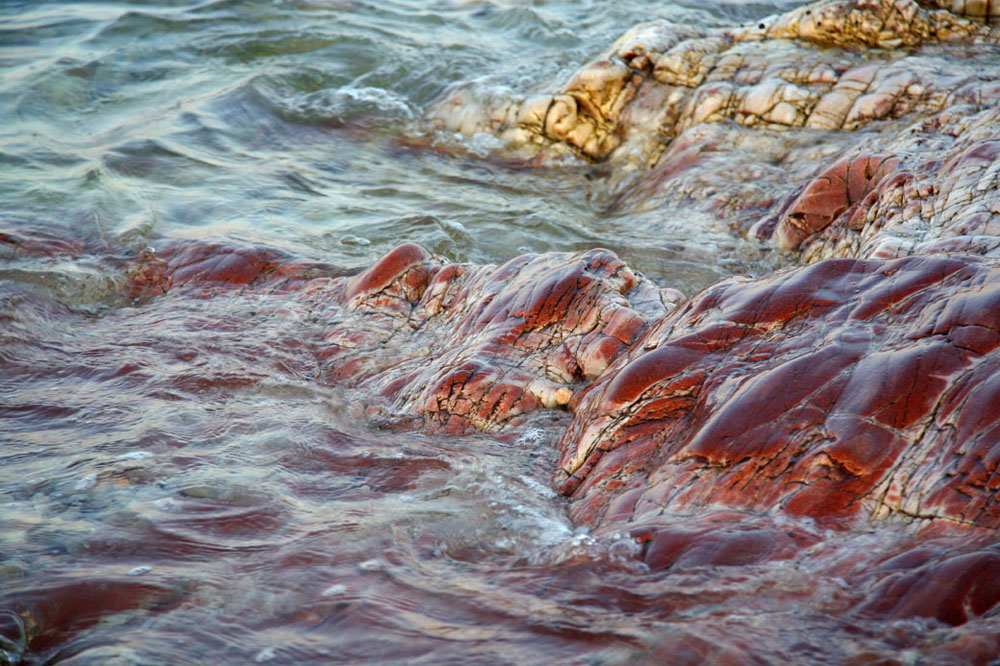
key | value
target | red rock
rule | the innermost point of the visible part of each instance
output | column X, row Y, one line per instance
column 62, row 608
column 473, row 347
column 950, row 589
column 815, row 390
column 830, row 196
column 201, row 268
column 845, row 391
column 401, row 262
column 720, row 540
column 22, row 241
column 824, row 391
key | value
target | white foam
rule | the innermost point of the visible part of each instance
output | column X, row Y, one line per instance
column 539, row 489
column 135, row 455
column 531, row 438
column 351, row 239
column 335, row 590
column 483, row 145
column 88, row 482
column 265, row 655
column 370, row 565
column 383, row 100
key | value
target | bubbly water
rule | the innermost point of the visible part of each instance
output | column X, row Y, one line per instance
column 174, row 490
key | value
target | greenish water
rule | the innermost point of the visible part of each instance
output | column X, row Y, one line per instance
column 298, row 125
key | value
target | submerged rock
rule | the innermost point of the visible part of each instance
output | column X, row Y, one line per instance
column 856, row 394
column 843, row 387
column 864, row 384
column 765, row 420
column 462, row 347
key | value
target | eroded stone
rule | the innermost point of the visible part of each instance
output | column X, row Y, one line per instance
column 777, row 103
column 827, row 391
column 741, row 432
column 778, row 77
column 463, row 347
column 831, row 195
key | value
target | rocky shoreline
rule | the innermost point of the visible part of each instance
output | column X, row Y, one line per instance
column 778, row 418
column 891, row 106
column 860, row 389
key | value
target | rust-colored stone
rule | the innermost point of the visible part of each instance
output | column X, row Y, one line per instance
column 831, row 195
column 814, row 390
column 952, row 589
column 471, row 347
column 827, row 390
column 402, row 261
column 766, row 432
column 720, row 540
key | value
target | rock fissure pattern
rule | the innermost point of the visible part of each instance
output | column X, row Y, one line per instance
column 904, row 95
column 666, row 78
column 842, row 387
column 859, row 389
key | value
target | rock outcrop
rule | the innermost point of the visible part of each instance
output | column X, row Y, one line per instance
column 762, row 420
column 825, row 66
column 462, row 347
column 840, row 388
column 891, row 106
column 858, row 395
column 843, row 387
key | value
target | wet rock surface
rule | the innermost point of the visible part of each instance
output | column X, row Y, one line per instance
column 840, row 388
column 822, row 391
column 462, row 347
column 825, row 66
column 765, row 424
column 827, row 435
column 844, row 387
column 857, row 394
column 841, row 128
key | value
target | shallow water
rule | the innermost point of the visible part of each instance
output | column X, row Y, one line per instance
column 298, row 125
column 175, row 485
